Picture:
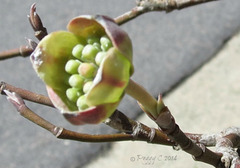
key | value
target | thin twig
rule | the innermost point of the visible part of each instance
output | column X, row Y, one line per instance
column 23, row 51
column 117, row 121
column 169, row 5
column 135, row 12
column 121, row 122
column 63, row 133
column 145, row 6
column 25, row 94
column 167, row 124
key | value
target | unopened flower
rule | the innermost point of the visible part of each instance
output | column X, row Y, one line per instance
column 87, row 69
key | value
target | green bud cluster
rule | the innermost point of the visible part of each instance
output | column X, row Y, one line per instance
column 83, row 66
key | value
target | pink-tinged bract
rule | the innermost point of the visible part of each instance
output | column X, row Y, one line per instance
column 113, row 74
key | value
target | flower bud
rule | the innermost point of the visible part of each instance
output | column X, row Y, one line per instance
column 87, row 86
column 81, row 103
column 87, row 70
column 89, row 52
column 105, row 43
column 77, row 51
column 76, row 81
column 95, row 58
column 72, row 66
column 73, row 94
column 99, row 57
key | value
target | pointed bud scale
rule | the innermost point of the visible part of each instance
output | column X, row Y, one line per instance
column 102, row 54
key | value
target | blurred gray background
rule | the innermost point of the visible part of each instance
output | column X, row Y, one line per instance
column 168, row 47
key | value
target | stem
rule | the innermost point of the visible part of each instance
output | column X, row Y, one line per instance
column 25, row 94
column 121, row 122
column 166, row 122
column 145, row 6
column 136, row 11
column 142, row 133
column 143, row 97
column 23, row 51
column 169, row 5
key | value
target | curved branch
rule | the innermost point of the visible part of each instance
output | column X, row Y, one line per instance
column 59, row 132
column 139, row 132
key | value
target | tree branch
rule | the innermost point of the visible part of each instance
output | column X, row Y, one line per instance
column 23, row 51
column 137, row 131
column 25, row 94
column 200, row 153
column 121, row 122
column 145, row 6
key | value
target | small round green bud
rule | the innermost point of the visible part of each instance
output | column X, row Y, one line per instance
column 77, row 51
column 87, row 70
column 97, row 46
column 89, row 52
column 73, row 94
column 72, row 66
column 105, row 43
column 81, row 103
column 99, row 57
column 92, row 40
column 76, row 81
column 87, row 86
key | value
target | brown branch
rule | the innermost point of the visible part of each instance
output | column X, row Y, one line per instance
column 234, row 138
column 200, row 153
column 25, row 94
column 145, row 6
column 117, row 121
column 169, row 5
column 23, row 51
column 140, row 133
column 205, row 139
column 135, row 12
column 59, row 132
column 121, row 122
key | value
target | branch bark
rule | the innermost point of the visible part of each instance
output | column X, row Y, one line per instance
column 23, row 51
column 25, row 94
column 131, row 129
column 167, row 124
column 145, row 6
